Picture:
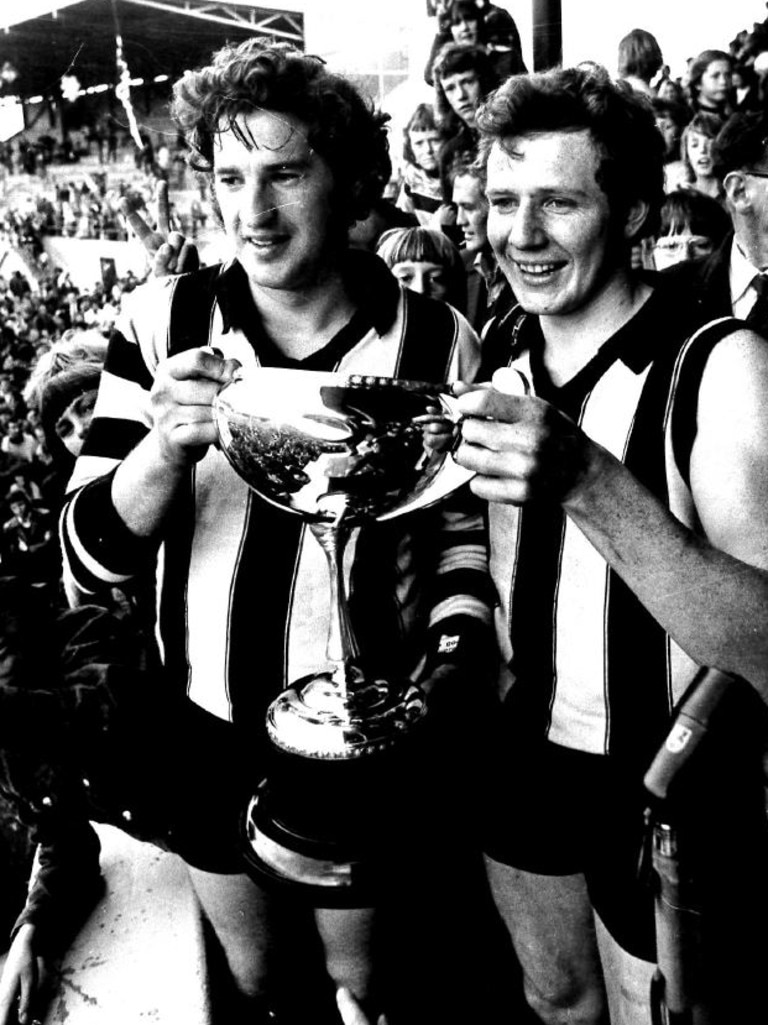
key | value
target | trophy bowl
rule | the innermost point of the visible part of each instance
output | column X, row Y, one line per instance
column 340, row 451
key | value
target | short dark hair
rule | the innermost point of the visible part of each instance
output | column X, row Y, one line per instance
column 741, row 143
column 342, row 126
column 453, row 59
column 639, row 55
column 700, row 214
column 620, row 121
column 460, row 10
column 421, row 120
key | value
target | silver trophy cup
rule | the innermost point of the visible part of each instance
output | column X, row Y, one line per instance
column 340, row 451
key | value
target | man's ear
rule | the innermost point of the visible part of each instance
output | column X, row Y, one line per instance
column 636, row 216
column 735, row 185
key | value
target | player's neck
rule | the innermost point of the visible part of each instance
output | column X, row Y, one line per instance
column 302, row 321
column 571, row 340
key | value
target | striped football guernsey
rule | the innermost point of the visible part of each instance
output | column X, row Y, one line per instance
column 587, row 665
column 243, row 597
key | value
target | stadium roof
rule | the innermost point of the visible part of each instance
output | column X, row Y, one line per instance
column 160, row 37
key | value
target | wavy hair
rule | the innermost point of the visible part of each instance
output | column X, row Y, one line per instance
column 342, row 127
column 453, row 59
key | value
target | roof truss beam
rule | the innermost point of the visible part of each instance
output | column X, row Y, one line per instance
column 253, row 18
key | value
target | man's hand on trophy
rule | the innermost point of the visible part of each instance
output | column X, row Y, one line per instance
column 170, row 252
column 181, row 403
column 351, row 1012
column 521, row 449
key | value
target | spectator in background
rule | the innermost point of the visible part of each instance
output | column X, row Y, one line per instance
column 426, row 261
column 62, row 387
column 463, row 79
column 697, row 139
column 731, row 280
column 29, row 546
column 485, row 283
column 746, row 88
column 710, row 87
column 486, row 26
column 671, row 119
column 421, row 192
column 670, row 90
column 640, row 60
column 692, row 226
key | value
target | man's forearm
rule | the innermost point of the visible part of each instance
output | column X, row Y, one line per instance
column 144, row 487
column 715, row 606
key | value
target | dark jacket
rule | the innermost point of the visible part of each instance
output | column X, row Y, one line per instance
column 708, row 278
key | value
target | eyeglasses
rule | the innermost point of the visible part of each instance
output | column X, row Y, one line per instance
column 683, row 244
column 757, row 174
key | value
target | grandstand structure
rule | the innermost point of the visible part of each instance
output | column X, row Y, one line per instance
column 62, row 64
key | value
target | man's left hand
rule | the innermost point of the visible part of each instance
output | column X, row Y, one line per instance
column 521, row 448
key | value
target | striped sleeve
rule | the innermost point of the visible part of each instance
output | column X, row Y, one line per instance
column 462, row 597
column 98, row 548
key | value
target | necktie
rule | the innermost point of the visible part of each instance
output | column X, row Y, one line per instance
column 758, row 315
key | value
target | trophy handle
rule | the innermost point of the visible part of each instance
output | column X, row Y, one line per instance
column 448, row 477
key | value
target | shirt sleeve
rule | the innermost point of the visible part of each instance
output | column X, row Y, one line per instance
column 66, row 883
column 462, row 596
column 98, row 549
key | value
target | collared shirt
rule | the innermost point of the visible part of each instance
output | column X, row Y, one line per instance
column 742, row 274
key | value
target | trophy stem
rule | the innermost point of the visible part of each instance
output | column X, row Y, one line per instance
column 342, row 649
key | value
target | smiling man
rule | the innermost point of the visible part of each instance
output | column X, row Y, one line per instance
column 295, row 156
column 629, row 533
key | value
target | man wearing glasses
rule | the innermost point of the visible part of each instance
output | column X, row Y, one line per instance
column 733, row 279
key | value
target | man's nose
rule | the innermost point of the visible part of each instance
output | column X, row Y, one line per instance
column 525, row 229
column 260, row 203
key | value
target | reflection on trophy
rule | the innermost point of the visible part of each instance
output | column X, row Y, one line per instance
column 340, row 451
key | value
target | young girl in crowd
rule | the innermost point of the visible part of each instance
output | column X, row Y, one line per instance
column 710, row 85
column 426, row 261
column 421, row 192
column 697, row 139
column 692, row 226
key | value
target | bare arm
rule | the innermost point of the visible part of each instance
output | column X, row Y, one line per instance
column 21, row 978
column 710, row 594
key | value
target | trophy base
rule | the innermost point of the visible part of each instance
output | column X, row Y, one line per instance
column 338, row 832
column 343, row 714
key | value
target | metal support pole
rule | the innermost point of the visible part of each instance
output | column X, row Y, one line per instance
column 547, row 34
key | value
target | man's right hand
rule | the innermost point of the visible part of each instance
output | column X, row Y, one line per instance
column 21, row 979
column 169, row 250
column 181, row 403
column 351, row 1012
